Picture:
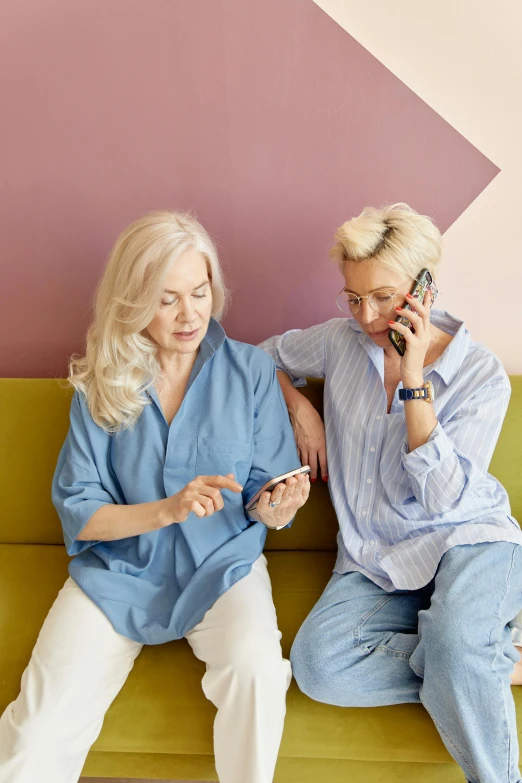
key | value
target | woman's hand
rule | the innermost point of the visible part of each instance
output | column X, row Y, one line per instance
column 412, row 363
column 202, row 496
column 309, row 436
column 288, row 497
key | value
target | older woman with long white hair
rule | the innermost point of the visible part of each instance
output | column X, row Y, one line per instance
column 429, row 569
column 173, row 428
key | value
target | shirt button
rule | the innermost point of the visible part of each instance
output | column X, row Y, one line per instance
column 372, row 542
column 363, row 513
column 379, row 417
column 368, row 481
column 372, row 448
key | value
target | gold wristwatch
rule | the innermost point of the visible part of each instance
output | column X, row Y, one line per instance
column 425, row 392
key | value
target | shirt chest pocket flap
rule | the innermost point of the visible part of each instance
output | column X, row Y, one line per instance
column 217, row 456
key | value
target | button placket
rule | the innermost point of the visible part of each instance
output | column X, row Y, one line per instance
column 373, row 437
column 172, row 467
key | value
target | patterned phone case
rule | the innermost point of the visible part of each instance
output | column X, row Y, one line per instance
column 418, row 291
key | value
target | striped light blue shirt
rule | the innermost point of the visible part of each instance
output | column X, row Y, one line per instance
column 400, row 511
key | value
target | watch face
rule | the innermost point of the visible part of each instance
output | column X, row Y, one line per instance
column 429, row 388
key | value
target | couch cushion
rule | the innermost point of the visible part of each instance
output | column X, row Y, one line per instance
column 34, row 418
column 151, row 717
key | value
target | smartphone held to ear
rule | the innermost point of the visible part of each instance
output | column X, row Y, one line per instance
column 418, row 291
column 271, row 484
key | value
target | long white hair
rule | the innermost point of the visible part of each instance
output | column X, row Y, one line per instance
column 120, row 362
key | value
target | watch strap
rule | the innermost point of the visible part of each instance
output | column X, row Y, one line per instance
column 414, row 394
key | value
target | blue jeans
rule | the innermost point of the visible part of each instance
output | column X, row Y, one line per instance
column 447, row 645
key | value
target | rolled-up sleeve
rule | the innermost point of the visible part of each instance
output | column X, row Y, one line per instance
column 448, row 469
column 275, row 451
column 78, row 490
column 299, row 352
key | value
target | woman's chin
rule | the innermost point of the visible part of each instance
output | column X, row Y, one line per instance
column 380, row 338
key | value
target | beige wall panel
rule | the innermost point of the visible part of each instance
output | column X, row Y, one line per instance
column 465, row 60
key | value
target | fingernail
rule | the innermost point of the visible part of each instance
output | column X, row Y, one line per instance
column 325, row 478
column 392, row 323
column 313, row 480
column 398, row 309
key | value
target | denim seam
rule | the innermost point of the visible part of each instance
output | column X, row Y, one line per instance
column 364, row 619
column 458, row 751
column 393, row 653
column 502, row 689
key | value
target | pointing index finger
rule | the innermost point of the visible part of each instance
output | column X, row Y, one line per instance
column 222, row 482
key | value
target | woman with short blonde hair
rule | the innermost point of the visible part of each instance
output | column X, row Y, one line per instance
column 395, row 237
column 412, row 416
column 174, row 427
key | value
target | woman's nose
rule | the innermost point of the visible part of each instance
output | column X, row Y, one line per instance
column 187, row 312
column 366, row 313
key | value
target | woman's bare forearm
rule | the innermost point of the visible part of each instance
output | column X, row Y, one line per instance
column 201, row 496
column 308, row 428
column 112, row 522
column 290, row 393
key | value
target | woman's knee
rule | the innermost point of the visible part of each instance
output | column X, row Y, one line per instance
column 451, row 646
column 255, row 656
column 316, row 665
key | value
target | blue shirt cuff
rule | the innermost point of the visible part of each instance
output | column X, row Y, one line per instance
column 74, row 523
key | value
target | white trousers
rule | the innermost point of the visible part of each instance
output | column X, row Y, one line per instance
column 80, row 663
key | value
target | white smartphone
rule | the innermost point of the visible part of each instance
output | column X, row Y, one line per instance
column 269, row 486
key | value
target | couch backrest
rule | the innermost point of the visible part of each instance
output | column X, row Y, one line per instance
column 34, row 418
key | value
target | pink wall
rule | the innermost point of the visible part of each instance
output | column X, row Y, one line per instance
column 267, row 120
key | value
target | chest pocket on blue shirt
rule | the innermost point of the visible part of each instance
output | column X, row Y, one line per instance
column 219, row 457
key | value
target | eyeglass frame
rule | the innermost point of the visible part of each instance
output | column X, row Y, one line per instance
column 434, row 291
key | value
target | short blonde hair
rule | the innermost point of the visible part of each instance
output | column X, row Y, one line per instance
column 120, row 361
column 395, row 236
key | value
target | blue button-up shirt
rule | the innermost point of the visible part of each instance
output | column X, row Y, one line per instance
column 157, row 586
column 400, row 511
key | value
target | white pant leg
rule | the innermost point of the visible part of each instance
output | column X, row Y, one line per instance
column 78, row 665
column 246, row 678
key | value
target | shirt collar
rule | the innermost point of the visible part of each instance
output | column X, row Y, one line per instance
column 450, row 361
column 213, row 340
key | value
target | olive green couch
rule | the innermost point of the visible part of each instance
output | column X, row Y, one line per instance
column 160, row 726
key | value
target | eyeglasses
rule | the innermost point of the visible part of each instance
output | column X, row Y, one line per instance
column 382, row 302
